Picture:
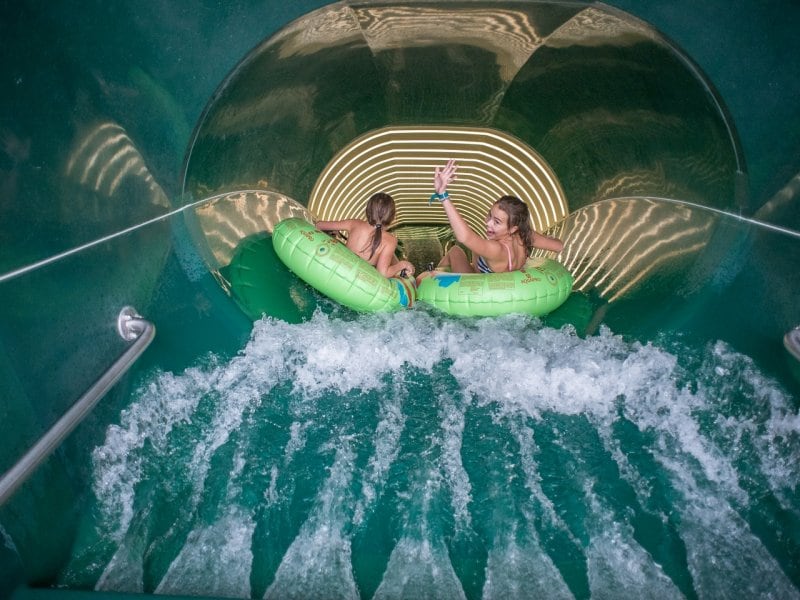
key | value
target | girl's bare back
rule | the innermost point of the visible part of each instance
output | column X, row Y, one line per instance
column 359, row 241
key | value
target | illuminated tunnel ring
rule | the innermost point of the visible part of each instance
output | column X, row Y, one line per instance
column 400, row 160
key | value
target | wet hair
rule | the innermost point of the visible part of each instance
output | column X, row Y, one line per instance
column 380, row 214
column 519, row 216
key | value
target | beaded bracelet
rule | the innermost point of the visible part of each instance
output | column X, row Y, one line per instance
column 440, row 197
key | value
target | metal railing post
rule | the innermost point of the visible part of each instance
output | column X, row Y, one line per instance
column 131, row 327
column 791, row 342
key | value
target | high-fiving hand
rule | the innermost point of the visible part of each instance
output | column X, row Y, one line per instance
column 443, row 176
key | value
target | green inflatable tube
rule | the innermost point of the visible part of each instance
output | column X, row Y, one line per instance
column 331, row 268
column 540, row 287
column 252, row 274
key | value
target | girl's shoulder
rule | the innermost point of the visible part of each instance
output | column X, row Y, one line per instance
column 358, row 224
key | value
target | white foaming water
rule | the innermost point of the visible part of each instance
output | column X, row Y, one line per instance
column 725, row 558
column 522, row 570
column 333, row 355
column 552, row 370
column 225, row 571
column 163, row 404
column 387, row 447
column 318, row 562
column 297, row 441
column 419, row 568
column 520, row 371
column 528, row 452
column 125, row 570
column 419, row 565
column 555, row 372
column 452, row 419
column 766, row 425
column 7, row 541
column 618, row 566
column 214, row 561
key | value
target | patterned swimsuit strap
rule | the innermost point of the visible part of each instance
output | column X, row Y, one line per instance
column 484, row 267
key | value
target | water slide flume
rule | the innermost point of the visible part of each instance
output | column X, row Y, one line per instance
column 323, row 262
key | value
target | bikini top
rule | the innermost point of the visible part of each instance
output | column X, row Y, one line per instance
column 483, row 266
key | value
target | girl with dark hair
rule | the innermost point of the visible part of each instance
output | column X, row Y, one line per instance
column 509, row 235
column 370, row 240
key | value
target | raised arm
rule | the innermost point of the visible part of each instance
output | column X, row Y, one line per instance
column 463, row 232
column 442, row 177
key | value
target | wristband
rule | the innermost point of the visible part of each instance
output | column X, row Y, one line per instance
column 440, row 197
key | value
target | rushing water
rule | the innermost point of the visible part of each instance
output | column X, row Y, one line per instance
column 412, row 456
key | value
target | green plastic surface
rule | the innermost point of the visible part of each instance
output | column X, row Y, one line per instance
column 537, row 289
column 329, row 267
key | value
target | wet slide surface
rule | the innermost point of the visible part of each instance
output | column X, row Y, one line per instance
column 455, row 458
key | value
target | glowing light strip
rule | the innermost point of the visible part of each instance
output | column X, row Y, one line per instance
column 109, row 142
column 641, row 274
column 397, row 160
column 597, row 240
column 526, row 184
column 660, row 257
column 581, row 235
column 661, row 236
column 629, row 238
column 130, row 164
column 119, row 156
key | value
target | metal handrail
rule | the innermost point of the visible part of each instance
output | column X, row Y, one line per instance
column 791, row 342
column 131, row 327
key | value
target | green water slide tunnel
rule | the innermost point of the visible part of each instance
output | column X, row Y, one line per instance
column 350, row 100
column 148, row 148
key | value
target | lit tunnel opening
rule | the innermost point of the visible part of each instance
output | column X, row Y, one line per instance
column 634, row 139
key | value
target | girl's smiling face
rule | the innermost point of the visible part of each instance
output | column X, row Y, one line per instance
column 497, row 224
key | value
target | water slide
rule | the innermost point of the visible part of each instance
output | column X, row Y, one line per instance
column 642, row 441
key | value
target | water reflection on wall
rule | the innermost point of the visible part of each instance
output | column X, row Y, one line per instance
column 221, row 223
column 611, row 105
column 617, row 247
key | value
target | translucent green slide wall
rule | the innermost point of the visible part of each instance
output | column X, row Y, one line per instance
column 98, row 108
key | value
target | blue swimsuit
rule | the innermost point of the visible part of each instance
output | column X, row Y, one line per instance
column 483, row 266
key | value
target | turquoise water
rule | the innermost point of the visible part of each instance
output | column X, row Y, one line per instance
column 411, row 455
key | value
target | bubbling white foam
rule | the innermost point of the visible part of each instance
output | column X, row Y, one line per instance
column 452, row 419
column 214, row 560
column 618, row 566
column 125, row 571
column 162, row 404
column 8, row 542
column 521, row 570
column 419, row 568
column 705, row 424
column 419, row 565
column 318, row 562
column 387, row 447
